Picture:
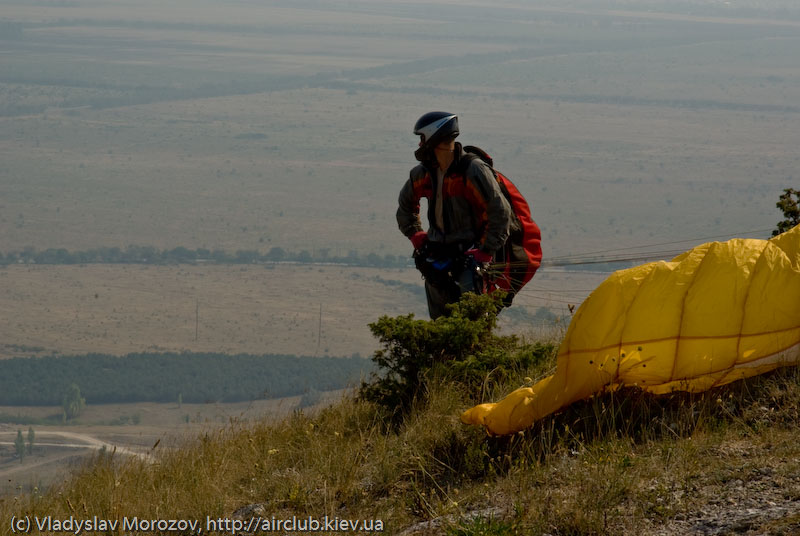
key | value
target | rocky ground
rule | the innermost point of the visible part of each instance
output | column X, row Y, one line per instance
column 760, row 506
column 755, row 494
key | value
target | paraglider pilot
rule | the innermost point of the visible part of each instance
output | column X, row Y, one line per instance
column 469, row 219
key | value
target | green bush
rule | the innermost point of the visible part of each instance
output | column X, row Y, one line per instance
column 460, row 347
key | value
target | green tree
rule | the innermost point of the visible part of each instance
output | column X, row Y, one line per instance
column 181, row 254
column 19, row 445
column 789, row 204
column 276, row 254
column 73, row 403
column 31, row 438
column 220, row 256
column 247, row 256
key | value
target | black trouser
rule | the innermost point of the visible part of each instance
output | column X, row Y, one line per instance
column 445, row 285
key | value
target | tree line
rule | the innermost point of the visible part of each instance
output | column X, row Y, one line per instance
column 180, row 255
column 168, row 377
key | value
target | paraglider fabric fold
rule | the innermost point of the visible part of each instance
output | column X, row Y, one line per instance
column 720, row 312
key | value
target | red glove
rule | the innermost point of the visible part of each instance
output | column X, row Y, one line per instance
column 479, row 255
column 418, row 239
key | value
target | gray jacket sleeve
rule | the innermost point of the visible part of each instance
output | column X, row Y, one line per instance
column 408, row 204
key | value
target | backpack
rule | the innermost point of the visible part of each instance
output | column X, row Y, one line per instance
column 521, row 255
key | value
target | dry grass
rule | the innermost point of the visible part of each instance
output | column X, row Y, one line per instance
column 343, row 458
column 131, row 428
column 580, row 472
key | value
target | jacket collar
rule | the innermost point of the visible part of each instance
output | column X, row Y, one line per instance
column 455, row 165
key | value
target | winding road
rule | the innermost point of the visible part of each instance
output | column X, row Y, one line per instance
column 72, row 440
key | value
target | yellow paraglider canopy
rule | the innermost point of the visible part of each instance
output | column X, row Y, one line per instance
column 720, row 312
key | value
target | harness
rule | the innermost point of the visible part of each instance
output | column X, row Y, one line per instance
column 443, row 264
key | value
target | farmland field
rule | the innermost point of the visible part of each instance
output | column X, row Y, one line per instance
column 244, row 125
column 256, row 127
column 231, row 309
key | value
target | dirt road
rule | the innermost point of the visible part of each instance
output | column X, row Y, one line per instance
column 80, row 441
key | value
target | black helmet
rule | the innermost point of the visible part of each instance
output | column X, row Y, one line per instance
column 434, row 128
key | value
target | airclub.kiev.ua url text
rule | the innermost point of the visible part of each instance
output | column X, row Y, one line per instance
column 210, row 525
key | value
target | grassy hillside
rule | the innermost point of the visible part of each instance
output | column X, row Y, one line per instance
column 721, row 462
